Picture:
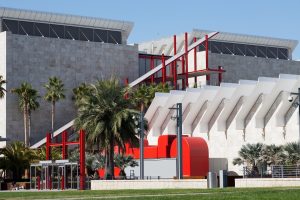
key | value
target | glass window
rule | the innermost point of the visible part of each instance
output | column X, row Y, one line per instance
column 86, row 34
column 41, row 29
column 100, row 35
column 227, row 48
column 71, row 32
column 142, row 66
column 261, row 51
column 272, row 52
column 10, row 25
column 26, row 28
column 114, row 37
column 216, row 47
column 147, row 65
column 251, row 50
column 57, row 31
column 283, row 53
column 239, row 49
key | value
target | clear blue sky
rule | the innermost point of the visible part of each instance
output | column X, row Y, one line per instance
column 158, row 18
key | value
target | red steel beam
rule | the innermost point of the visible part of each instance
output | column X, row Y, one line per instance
column 82, row 159
column 163, row 68
column 175, row 65
column 186, row 59
column 48, row 150
column 206, row 60
column 64, row 146
column 195, row 59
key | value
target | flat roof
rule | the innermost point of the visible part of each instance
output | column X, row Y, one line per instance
column 166, row 44
column 46, row 17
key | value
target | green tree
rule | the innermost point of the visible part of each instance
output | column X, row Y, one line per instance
column 122, row 161
column 292, row 153
column 143, row 95
column 40, row 154
column 27, row 102
column 106, row 117
column 16, row 158
column 80, row 91
column 54, row 92
column 249, row 154
column 2, row 89
column 271, row 155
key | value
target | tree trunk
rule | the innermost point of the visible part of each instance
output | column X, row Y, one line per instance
column 109, row 164
column 25, row 125
column 52, row 116
column 29, row 127
column 142, row 107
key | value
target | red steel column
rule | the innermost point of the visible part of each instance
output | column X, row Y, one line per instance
column 175, row 65
column 163, row 68
column 220, row 74
column 186, row 59
column 183, row 70
column 64, row 146
column 48, row 150
column 151, row 67
column 195, row 60
column 82, row 159
column 206, row 60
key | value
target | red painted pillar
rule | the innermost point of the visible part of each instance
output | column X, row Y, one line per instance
column 62, row 181
column 126, row 85
column 220, row 74
column 183, row 72
column 186, row 59
column 206, row 60
column 175, row 65
column 64, row 145
column 48, row 150
column 195, row 60
column 163, row 68
column 82, row 159
column 151, row 67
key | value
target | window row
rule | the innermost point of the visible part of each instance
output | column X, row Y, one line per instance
column 246, row 50
column 61, row 31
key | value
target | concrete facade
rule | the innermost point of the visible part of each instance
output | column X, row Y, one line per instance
column 35, row 59
column 267, row 182
column 148, row 184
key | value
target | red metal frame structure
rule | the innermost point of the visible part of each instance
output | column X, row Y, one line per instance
column 64, row 144
column 173, row 76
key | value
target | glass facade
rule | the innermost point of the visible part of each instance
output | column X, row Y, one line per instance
column 246, row 50
column 61, row 31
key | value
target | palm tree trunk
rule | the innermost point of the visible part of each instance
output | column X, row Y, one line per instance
column 52, row 116
column 29, row 127
column 109, row 161
column 25, row 125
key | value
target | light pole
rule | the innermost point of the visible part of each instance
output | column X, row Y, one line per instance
column 139, row 122
column 142, row 145
column 178, row 118
column 296, row 104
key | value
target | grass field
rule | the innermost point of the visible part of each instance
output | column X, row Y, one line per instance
column 228, row 193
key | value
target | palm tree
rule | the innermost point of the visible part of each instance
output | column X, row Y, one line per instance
column 144, row 94
column 27, row 102
column 105, row 116
column 292, row 153
column 80, row 91
column 249, row 154
column 17, row 158
column 54, row 92
column 122, row 161
column 271, row 155
column 40, row 154
column 2, row 89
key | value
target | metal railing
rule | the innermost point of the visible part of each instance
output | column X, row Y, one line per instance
column 285, row 171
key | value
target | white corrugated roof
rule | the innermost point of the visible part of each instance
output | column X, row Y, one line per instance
column 46, row 17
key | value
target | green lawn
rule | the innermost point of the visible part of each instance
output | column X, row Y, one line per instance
column 228, row 193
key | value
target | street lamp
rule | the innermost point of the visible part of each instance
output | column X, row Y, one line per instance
column 290, row 99
column 141, row 129
column 178, row 118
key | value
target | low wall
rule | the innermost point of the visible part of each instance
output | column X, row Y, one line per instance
column 267, row 182
column 147, row 184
